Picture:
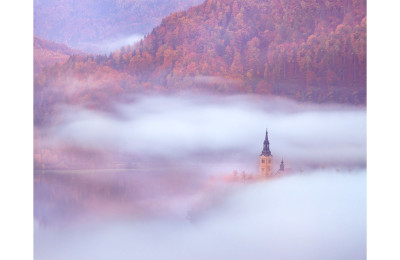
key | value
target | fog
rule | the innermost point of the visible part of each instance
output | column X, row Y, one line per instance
column 183, row 202
column 315, row 215
column 226, row 133
column 111, row 45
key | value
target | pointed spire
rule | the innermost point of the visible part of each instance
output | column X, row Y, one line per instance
column 282, row 167
column 266, row 150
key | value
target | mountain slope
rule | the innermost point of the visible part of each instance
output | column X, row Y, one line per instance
column 88, row 24
column 271, row 45
column 307, row 50
column 47, row 53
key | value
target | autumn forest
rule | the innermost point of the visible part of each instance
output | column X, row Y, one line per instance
column 308, row 51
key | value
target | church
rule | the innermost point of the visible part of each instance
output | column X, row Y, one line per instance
column 266, row 162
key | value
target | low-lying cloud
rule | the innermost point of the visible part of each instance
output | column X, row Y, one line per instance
column 179, row 208
column 318, row 215
column 219, row 129
column 110, row 45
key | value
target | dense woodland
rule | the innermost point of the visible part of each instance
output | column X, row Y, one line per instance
column 307, row 50
column 311, row 51
column 47, row 53
column 265, row 43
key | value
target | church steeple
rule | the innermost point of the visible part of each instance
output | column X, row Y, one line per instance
column 266, row 150
column 282, row 167
column 266, row 159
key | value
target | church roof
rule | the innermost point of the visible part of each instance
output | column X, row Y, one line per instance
column 266, row 151
column 280, row 172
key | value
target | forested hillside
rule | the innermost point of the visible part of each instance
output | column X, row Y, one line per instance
column 47, row 53
column 306, row 50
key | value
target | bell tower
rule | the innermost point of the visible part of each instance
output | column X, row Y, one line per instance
column 266, row 160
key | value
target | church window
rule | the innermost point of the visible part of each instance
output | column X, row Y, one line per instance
column 263, row 160
column 269, row 160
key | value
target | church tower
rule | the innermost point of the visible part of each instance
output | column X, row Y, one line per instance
column 266, row 160
column 281, row 170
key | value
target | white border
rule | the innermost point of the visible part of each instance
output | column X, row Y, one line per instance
column 16, row 184
column 16, row 93
column 383, row 130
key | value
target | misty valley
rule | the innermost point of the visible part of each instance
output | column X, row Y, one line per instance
column 187, row 167
column 318, row 215
column 199, row 129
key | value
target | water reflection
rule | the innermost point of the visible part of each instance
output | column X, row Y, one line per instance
column 62, row 197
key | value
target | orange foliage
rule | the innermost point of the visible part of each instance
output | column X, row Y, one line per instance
column 307, row 50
